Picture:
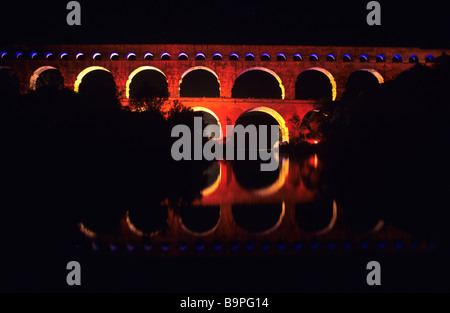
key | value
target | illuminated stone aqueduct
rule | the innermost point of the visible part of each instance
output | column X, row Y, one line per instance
column 275, row 79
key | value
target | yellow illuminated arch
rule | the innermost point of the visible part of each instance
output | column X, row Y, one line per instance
column 138, row 70
column 203, row 109
column 205, row 233
column 209, row 190
column 35, row 76
column 280, row 83
column 331, row 223
column 277, row 117
column 199, row 68
column 136, row 230
column 270, row 190
column 84, row 72
column 330, row 77
column 278, row 223
column 374, row 73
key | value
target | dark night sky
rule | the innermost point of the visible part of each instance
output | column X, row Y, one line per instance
column 228, row 22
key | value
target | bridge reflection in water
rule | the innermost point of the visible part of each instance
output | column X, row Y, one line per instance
column 244, row 210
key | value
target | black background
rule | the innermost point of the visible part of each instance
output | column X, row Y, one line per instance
column 405, row 23
column 422, row 23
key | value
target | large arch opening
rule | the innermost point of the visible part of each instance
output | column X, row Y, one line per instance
column 258, row 218
column 97, row 84
column 258, row 83
column 200, row 220
column 147, row 82
column 47, row 77
column 363, row 79
column 9, row 82
column 315, row 84
column 208, row 117
column 199, row 82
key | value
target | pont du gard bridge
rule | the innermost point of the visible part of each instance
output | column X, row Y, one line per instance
column 224, row 81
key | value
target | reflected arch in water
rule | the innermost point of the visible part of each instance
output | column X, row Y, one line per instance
column 258, row 218
column 311, row 172
column 249, row 176
column 46, row 77
column 213, row 175
column 200, row 220
column 147, row 221
column 362, row 216
column 317, row 217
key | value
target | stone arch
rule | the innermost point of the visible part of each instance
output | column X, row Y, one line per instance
column 211, row 85
column 54, row 82
column 315, row 217
column 277, row 116
column 259, row 219
column 83, row 73
column 200, row 220
column 266, row 70
column 206, row 110
column 139, row 70
column 362, row 79
column 298, row 86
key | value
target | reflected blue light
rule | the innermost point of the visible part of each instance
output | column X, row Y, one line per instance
column 250, row 246
column 148, row 247
column 234, row 246
column 165, row 246
column 130, row 247
column 217, row 246
column 348, row 246
column 3, row 54
column 382, row 245
column 431, row 245
column 315, row 246
column 182, row 246
column 33, row 55
column 265, row 246
column 18, row 54
column 365, row 245
column 113, row 247
column 398, row 245
column 414, row 245
column 95, row 247
column 282, row 246
column 200, row 246
column 331, row 246
column 298, row 245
